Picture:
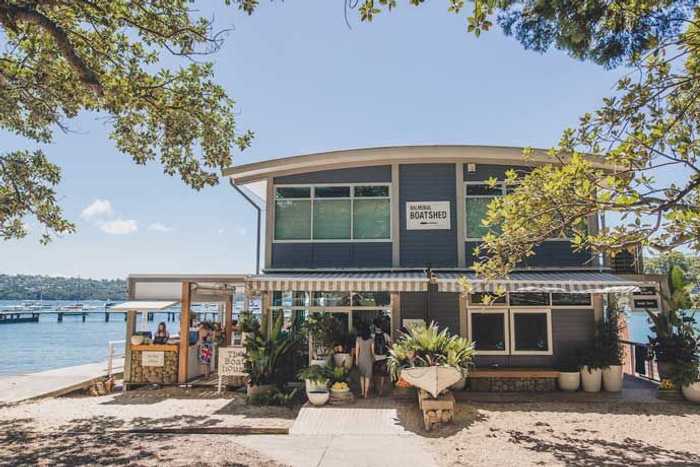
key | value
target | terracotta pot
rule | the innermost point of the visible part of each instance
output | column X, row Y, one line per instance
column 343, row 359
column 692, row 392
column 591, row 379
column 254, row 390
column 569, row 381
column 613, row 378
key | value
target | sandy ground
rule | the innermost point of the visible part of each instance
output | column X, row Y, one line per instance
column 572, row 434
column 92, row 430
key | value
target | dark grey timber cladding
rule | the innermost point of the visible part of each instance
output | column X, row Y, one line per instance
column 413, row 305
column 571, row 331
column 428, row 182
column 553, row 253
column 331, row 255
column 486, row 171
column 378, row 174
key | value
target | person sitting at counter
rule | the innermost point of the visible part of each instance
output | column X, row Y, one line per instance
column 205, row 348
column 162, row 335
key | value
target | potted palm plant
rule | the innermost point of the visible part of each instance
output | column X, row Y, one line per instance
column 321, row 329
column 611, row 349
column 266, row 353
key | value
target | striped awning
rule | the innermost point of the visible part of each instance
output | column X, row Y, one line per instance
column 399, row 281
column 557, row 282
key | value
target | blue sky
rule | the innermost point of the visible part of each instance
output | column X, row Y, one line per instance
column 304, row 82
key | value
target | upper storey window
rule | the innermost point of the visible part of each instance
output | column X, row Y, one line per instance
column 478, row 197
column 328, row 213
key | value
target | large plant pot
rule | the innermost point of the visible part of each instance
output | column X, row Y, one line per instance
column 343, row 359
column 460, row 385
column 692, row 392
column 613, row 378
column 137, row 340
column 316, row 386
column 318, row 398
column 665, row 369
column 591, row 379
column 569, row 381
column 255, row 390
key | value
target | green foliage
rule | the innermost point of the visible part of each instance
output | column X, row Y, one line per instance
column 62, row 58
column 285, row 397
column 268, row 352
column 325, row 330
column 314, row 373
column 26, row 287
column 430, row 346
column 337, row 374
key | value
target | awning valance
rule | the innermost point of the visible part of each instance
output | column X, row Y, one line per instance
column 556, row 282
column 412, row 281
column 143, row 305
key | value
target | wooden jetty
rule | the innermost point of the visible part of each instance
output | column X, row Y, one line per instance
column 10, row 317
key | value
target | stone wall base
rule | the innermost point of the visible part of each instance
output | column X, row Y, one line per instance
column 512, row 384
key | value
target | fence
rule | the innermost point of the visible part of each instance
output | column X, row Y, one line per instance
column 636, row 361
column 115, row 357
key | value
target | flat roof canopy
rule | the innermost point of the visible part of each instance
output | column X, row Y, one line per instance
column 143, row 306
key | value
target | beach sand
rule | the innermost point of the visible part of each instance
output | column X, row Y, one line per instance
column 573, row 434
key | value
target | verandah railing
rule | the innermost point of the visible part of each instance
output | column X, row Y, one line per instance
column 636, row 361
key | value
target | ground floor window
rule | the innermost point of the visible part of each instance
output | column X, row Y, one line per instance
column 511, row 331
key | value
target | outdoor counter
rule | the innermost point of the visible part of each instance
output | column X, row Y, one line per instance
column 154, row 363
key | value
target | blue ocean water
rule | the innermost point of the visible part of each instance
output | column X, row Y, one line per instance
column 48, row 344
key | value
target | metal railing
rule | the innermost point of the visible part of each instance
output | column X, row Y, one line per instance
column 114, row 354
column 636, row 361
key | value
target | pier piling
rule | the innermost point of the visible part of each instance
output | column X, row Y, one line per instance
column 106, row 316
column 60, row 317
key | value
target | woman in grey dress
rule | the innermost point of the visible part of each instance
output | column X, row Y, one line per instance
column 364, row 357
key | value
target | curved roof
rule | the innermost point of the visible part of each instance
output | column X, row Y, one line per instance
column 504, row 155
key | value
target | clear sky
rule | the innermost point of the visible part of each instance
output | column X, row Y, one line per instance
column 304, row 83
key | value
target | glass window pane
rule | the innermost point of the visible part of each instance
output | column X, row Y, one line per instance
column 483, row 190
column 575, row 299
column 292, row 192
column 476, row 211
column 478, row 298
column 370, row 299
column 293, row 220
column 371, row 219
column 331, row 299
column 332, row 219
column 487, row 331
column 530, row 331
column 332, row 192
column 371, row 191
column 288, row 298
column 529, row 299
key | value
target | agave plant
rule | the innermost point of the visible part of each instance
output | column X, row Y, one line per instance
column 430, row 346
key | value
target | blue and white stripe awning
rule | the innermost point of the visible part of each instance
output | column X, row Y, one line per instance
column 556, row 282
column 400, row 281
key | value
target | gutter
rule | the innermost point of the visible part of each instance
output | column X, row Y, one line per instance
column 259, row 211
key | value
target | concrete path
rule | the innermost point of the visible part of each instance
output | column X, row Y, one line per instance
column 51, row 382
column 364, row 433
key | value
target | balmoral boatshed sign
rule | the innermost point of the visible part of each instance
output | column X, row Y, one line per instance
column 427, row 215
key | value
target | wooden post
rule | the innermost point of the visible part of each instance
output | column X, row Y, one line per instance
column 598, row 306
column 463, row 331
column 130, row 329
column 395, row 314
column 183, row 351
column 228, row 316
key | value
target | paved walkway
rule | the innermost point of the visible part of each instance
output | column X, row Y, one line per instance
column 51, row 382
column 365, row 433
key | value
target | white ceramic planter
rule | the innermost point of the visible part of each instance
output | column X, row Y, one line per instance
column 613, row 378
column 692, row 392
column 569, row 381
column 343, row 359
column 460, row 385
column 316, row 386
column 591, row 379
column 318, row 398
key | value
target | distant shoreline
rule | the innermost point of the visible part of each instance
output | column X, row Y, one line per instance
column 39, row 287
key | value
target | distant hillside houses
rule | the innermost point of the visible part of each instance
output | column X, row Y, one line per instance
column 31, row 287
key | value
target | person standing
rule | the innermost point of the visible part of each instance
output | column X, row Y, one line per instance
column 364, row 357
column 382, row 341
